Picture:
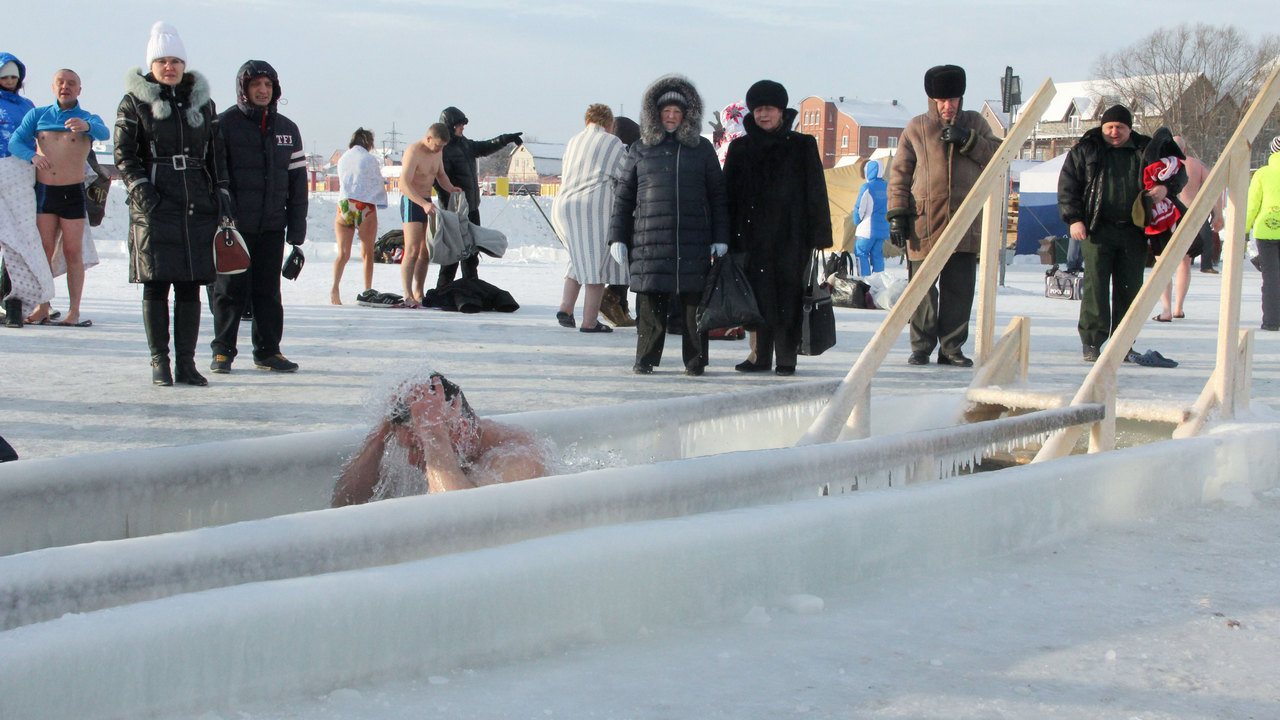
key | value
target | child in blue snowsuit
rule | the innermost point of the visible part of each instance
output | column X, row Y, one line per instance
column 873, row 228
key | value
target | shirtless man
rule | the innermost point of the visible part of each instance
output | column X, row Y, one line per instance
column 445, row 440
column 56, row 139
column 422, row 165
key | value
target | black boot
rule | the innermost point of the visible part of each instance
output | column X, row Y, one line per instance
column 13, row 312
column 155, row 318
column 186, row 331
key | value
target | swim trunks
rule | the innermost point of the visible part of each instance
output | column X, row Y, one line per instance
column 65, row 201
column 353, row 212
column 411, row 211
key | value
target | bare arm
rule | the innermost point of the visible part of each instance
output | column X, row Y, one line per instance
column 443, row 179
column 513, row 454
column 355, row 484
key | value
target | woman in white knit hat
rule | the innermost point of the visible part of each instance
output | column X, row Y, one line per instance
column 168, row 154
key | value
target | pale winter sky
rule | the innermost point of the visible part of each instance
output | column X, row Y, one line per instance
column 535, row 65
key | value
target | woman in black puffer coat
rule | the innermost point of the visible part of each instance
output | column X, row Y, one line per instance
column 167, row 151
column 669, row 217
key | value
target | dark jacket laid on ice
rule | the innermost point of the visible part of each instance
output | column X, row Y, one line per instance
column 670, row 205
column 778, row 211
column 169, row 156
column 266, row 161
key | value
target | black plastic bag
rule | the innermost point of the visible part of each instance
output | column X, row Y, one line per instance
column 728, row 300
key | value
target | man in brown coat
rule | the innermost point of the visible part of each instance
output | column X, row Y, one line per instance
column 940, row 156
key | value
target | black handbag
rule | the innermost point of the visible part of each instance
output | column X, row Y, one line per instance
column 293, row 264
column 818, row 326
column 727, row 299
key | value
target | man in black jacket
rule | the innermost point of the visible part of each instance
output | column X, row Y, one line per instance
column 1100, row 180
column 268, row 174
column 460, row 165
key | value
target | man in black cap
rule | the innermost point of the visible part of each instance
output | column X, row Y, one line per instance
column 1100, row 180
column 940, row 156
column 460, row 165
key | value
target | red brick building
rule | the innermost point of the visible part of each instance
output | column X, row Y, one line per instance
column 848, row 126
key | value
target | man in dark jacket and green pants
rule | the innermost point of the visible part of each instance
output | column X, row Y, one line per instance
column 1099, row 183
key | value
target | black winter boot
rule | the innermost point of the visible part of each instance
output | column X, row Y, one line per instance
column 186, row 331
column 13, row 312
column 155, row 318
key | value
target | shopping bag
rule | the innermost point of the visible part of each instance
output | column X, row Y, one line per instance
column 818, row 324
column 727, row 300
column 230, row 253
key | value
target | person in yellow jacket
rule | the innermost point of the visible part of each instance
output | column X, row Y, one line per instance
column 1263, row 220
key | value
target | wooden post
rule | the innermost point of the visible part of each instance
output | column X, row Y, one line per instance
column 991, row 257
column 1233, row 243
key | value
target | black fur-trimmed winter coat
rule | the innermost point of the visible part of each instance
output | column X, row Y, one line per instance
column 778, row 212
column 266, row 161
column 670, row 205
column 167, row 150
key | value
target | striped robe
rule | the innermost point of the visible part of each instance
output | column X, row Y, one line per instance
column 589, row 172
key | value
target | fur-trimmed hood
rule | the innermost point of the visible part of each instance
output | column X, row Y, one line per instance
column 690, row 130
column 147, row 90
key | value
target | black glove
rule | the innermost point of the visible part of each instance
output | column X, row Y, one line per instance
column 294, row 239
column 956, row 135
column 899, row 230
column 145, row 198
column 512, row 138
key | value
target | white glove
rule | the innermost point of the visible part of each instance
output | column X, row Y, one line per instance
column 719, row 249
column 619, row 253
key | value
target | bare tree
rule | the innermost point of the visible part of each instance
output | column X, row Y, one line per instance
column 1195, row 79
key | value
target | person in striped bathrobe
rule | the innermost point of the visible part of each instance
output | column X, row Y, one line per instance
column 591, row 168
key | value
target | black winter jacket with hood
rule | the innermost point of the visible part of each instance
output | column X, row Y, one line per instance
column 670, row 205
column 169, row 155
column 459, row 159
column 266, row 161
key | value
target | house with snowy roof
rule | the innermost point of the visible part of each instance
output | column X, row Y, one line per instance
column 849, row 126
column 536, row 162
column 1154, row 100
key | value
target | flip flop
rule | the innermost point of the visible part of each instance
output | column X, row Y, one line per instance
column 82, row 323
column 1179, row 316
column 1157, row 318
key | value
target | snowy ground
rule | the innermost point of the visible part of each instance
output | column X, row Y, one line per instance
column 1173, row 617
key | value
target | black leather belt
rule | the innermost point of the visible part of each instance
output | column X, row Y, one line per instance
column 180, row 162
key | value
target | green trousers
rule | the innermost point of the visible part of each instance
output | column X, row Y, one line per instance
column 1114, row 261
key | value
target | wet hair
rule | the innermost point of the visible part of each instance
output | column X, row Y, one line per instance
column 399, row 413
column 363, row 138
column 439, row 131
column 598, row 114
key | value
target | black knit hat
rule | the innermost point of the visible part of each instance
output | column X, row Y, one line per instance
column 767, row 92
column 944, row 81
column 1118, row 113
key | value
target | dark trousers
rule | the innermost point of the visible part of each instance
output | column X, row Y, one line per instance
column 1209, row 249
column 470, row 265
column 1269, row 259
column 259, row 286
column 776, row 344
column 1113, row 267
column 942, row 319
column 651, row 328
